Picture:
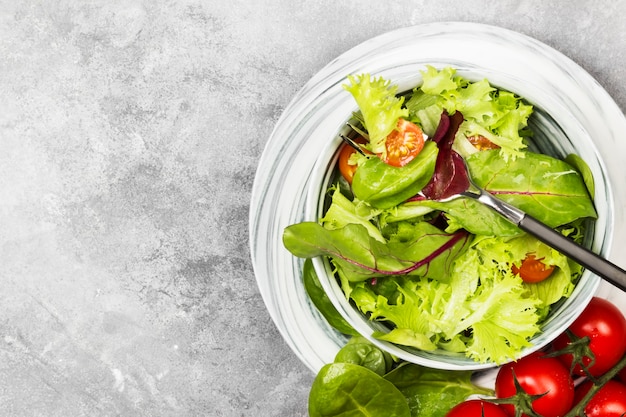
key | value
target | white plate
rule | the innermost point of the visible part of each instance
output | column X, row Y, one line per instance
column 283, row 174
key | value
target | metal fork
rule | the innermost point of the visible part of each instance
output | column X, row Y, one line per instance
column 578, row 253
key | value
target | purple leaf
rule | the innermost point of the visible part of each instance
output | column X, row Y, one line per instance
column 450, row 176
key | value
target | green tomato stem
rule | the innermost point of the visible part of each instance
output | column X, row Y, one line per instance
column 597, row 384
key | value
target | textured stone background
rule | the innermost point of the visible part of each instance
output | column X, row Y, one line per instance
column 129, row 135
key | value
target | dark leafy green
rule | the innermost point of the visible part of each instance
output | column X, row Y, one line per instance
column 349, row 390
column 361, row 382
column 320, row 300
column 433, row 392
column 361, row 351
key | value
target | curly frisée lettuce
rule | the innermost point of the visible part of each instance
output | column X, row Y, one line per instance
column 440, row 274
column 483, row 310
column 495, row 114
column 380, row 107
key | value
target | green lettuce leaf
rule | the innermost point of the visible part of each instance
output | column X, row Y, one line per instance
column 484, row 310
column 474, row 100
column 559, row 284
column 429, row 252
column 502, row 320
column 495, row 114
column 379, row 106
column 499, row 310
column 547, row 188
column 383, row 186
column 343, row 211
column 436, row 82
column 583, row 169
column 413, row 321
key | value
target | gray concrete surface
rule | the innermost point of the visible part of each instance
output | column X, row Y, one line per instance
column 129, row 136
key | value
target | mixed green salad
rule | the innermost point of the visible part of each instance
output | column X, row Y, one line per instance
column 445, row 273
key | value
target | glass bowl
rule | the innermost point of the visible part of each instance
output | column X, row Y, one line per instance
column 573, row 114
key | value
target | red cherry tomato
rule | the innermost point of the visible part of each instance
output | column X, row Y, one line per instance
column 605, row 326
column 346, row 169
column 482, row 143
column 532, row 270
column 476, row 408
column 537, row 374
column 403, row 143
column 609, row 401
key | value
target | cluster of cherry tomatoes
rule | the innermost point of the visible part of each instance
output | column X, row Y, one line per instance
column 557, row 383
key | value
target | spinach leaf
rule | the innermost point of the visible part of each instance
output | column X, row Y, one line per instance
column 361, row 351
column 384, row 186
column 433, row 392
column 321, row 301
column 428, row 253
column 349, row 390
column 544, row 187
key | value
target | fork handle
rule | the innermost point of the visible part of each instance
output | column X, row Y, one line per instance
column 604, row 268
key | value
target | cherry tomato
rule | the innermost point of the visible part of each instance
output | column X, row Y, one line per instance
column 476, row 408
column 482, row 143
column 403, row 143
column 609, row 401
column 605, row 326
column 532, row 270
column 538, row 374
column 346, row 169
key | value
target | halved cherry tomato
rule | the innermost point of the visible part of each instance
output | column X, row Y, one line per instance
column 532, row 270
column 346, row 169
column 482, row 143
column 346, row 151
column 537, row 374
column 609, row 401
column 476, row 408
column 403, row 143
column 605, row 325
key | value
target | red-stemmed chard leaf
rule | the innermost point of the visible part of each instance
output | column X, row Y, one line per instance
column 429, row 252
column 450, row 176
